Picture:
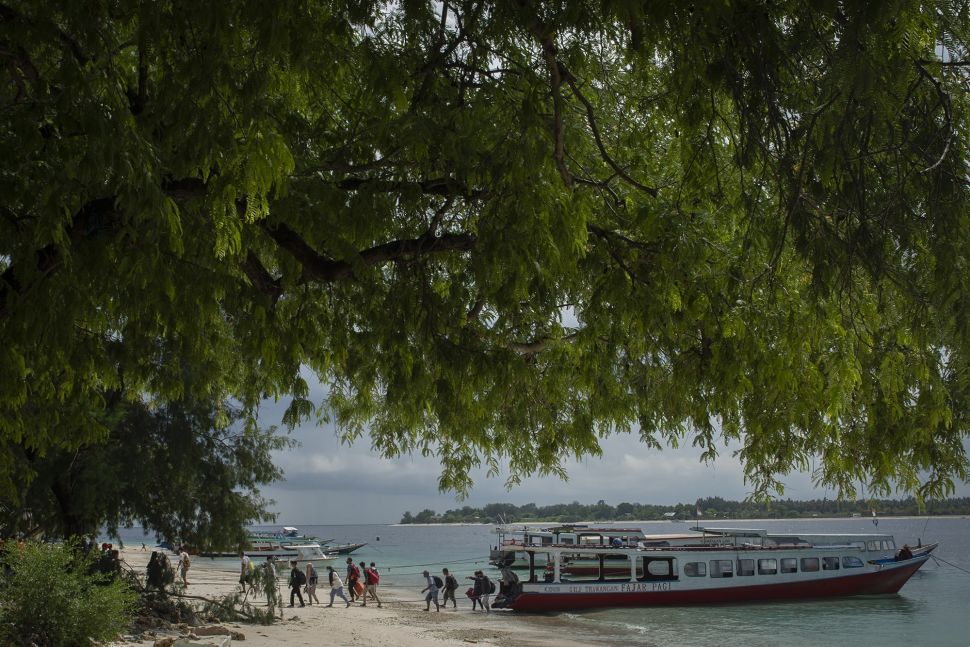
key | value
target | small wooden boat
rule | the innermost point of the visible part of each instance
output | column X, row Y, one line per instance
column 343, row 549
column 714, row 566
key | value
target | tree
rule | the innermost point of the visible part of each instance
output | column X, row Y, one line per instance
column 186, row 470
column 498, row 231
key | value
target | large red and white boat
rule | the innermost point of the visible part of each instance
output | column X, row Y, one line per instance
column 709, row 565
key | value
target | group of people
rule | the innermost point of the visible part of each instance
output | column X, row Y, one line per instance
column 362, row 581
column 480, row 591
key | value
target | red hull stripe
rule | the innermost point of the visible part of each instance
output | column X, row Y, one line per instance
column 887, row 580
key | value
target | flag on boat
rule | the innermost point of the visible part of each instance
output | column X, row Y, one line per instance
column 698, row 510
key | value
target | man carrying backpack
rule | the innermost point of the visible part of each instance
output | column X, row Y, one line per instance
column 353, row 576
column 451, row 585
column 371, row 579
column 434, row 583
column 483, row 589
column 297, row 580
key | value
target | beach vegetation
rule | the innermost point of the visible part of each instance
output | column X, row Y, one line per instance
column 710, row 508
column 496, row 232
column 53, row 596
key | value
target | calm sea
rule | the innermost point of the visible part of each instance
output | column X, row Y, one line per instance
column 932, row 609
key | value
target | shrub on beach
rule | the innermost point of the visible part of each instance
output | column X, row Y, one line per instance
column 52, row 597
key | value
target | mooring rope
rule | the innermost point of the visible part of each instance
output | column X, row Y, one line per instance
column 959, row 568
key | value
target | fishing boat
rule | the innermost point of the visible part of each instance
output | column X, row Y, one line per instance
column 343, row 549
column 710, row 565
column 278, row 545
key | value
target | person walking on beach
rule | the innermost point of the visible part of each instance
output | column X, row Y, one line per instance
column 432, row 589
column 244, row 563
column 336, row 586
column 451, row 585
column 273, row 599
column 353, row 576
column 311, row 583
column 371, row 578
column 184, row 564
column 482, row 590
column 297, row 580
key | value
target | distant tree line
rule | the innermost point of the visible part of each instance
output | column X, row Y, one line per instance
column 710, row 508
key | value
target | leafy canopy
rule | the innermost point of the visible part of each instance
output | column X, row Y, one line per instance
column 177, row 470
column 499, row 230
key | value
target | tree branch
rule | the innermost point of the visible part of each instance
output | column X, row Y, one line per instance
column 591, row 119
column 317, row 267
column 550, row 54
column 443, row 186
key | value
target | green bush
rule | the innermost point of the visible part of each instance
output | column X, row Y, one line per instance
column 52, row 599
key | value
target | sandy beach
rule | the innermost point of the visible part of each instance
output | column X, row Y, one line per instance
column 402, row 621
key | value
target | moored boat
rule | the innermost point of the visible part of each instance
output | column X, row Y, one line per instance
column 278, row 545
column 507, row 553
column 304, row 554
column 715, row 565
column 343, row 549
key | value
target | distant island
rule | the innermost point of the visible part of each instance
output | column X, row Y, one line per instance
column 710, row 508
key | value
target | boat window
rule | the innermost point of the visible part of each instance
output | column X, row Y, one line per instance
column 586, row 567
column 789, row 565
column 567, row 541
column 873, row 545
column 888, row 545
column 695, row 569
column 767, row 566
column 830, row 563
column 745, row 567
column 654, row 568
column 851, row 562
column 722, row 568
column 809, row 564
column 861, row 545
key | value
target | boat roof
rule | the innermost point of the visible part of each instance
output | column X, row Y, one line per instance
column 734, row 532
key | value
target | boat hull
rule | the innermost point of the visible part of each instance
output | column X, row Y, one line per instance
column 343, row 549
column 880, row 580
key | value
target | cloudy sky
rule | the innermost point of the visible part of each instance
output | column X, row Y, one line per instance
column 330, row 483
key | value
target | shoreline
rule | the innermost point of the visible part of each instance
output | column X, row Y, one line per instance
column 401, row 621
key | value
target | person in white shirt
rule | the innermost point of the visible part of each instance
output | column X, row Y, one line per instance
column 336, row 586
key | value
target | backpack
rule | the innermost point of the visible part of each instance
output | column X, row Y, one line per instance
column 375, row 577
column 451, row 582
column 437, row 581
column 491, row 586
column 300, row 577
column 354, row 572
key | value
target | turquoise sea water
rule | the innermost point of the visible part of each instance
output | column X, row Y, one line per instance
column 931, row 610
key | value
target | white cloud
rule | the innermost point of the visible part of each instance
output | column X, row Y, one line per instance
column 330, row 482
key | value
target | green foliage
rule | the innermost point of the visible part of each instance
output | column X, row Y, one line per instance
column 51, row 600
column 500, row 232
column 712, row 507
column 186, row 470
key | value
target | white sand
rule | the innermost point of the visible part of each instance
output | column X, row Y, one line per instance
column 401, row 622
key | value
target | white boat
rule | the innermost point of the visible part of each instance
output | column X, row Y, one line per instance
column 711, row 565
column 304, row 554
